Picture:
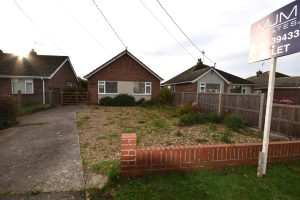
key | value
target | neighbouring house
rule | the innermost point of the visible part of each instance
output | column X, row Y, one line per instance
column 286, row 87
column 35, row 75
column 123, row 74
column 205, row 79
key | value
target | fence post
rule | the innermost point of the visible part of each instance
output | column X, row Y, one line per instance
column 197, row 98
column 182, row 98
column 62, row 98
column 19, row 99
column 220, row 104
column 261, row 111
column 76, row 97
column 128, row 152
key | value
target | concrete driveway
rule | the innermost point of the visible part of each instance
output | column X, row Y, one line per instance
column 42, row 153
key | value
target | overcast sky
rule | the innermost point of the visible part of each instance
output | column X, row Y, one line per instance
column 77, row 29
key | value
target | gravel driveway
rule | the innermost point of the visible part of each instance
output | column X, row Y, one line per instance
column 42, row 153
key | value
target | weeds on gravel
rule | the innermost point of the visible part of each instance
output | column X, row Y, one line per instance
column 82, row 120
column 33, row 191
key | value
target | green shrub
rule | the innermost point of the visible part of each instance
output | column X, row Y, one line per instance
column 235, row 122
column 191, row 119
column 226, row 137
column 8, row 112
column 164, row 97
column 160, row 124
column 124, row 100
column 215, row 118
column 188, row 109
column 107, row 101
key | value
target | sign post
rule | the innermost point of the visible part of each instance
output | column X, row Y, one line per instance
column 263, row 157
column 276, row 35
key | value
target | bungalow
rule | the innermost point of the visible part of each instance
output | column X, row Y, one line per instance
column 286, row 87
column 203, row 78
column 123, row 74
column 34, row 75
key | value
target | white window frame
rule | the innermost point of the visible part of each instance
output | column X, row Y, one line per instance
column 15, row 80
column 29, row 81
column 147, row 84
column 202, row 87
column 103, row 83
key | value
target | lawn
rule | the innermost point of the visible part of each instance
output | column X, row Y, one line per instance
column 281, row 182
column 100, row 129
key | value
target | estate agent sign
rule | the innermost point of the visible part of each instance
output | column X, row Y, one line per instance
column 277, row 34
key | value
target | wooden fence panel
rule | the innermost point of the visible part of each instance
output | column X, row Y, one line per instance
column 208, row 102
column 245, row 105
column 286, row 120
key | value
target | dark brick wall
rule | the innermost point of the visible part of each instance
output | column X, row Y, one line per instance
column 292, row 94
column 123, row 69
column 186, row 87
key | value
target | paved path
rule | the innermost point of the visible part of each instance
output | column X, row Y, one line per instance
column 44, row 155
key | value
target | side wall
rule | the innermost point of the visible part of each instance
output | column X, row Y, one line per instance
column 123, row 69
column 186, row 87
column 292, row 94
column 140, row 160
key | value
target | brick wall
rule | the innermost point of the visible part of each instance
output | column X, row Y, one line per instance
column 123, row 69
column 140, row 160
column 186, row 87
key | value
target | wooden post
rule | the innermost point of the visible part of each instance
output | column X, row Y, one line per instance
column 182, row 98
column 264, row 156
column 261, row 111
column 76, row 97
column 62, row 98
column 19, row 99
column 220, row 104
column 197, row 98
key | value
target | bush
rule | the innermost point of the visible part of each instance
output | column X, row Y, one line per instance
column 8, row 112
column 107, row 101
column 191, row 119
column 188, row 109
column 124, row 100
column 165, row 96
column 215, row 118
column 119, row 100
column 235, row 122
column 109, row 167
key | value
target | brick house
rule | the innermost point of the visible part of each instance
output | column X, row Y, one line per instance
column 286, row 87
column 35, row 75
column 123, row 74
column 203, row 78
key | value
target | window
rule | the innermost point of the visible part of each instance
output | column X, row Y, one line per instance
column 244, row 89
column 212, row 87
column 142, row 88
column 24, row 85
column 236, row 89
column 202, row 87
column 107, row 87
column 70, row 84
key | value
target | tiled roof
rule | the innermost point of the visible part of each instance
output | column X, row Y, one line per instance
column 32, row 65
column 281, row 80
column 126, row 52
column 198, row 70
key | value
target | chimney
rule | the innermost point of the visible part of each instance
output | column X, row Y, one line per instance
column 32, row 53
column 199, row 62
column 258, row 73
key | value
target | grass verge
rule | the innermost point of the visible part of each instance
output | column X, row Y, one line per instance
column 31, row 108
column 281, row 182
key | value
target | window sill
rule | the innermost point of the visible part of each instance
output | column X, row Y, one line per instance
column 141, row 94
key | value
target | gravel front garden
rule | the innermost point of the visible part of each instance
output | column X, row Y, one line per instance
column 100, row 129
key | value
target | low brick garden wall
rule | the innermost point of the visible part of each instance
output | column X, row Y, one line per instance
column 140, row 160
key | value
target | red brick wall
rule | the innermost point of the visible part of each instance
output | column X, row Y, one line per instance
column 186, row 87
column 61, row 78
column 123, row 69
column 141, row 160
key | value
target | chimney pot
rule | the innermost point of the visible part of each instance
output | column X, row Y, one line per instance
column 32, row 52
column 258, row 73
